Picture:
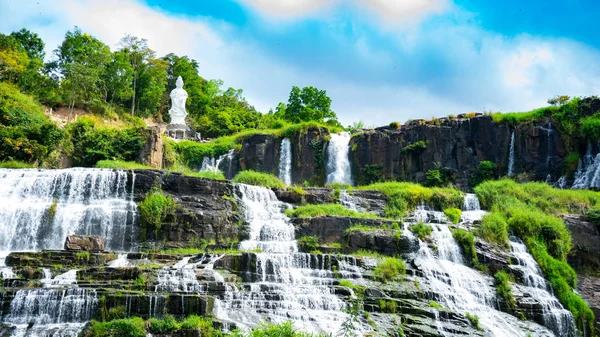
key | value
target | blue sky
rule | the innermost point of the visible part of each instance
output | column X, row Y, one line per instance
column 379, row 60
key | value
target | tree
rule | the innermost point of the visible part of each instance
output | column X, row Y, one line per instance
column 308, row 104
column 152, row 82
column 13, row 59
column 31, row 43
column 139, row 53
column 117, row 78
column 194, row 84
column 559, row 100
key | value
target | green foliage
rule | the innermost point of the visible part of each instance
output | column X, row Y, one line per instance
column 486, row 170
column 307, row 104
column 92, row 143
column 13, row 164
column 364, row 228
column 435, row 305
column 474, row 319
column 593, row 215
column 250, row 177
column 373, row 173
column 395, row 125
column 494, row 229
column 417, row 146
column 308, row 243
column 26, row 134
column 285, row 329
column 119, row 164
column 528, row 208
column 504, row 289
column 82, row 256
column 421, row 230
column 167, row 324
column 404, row 196
column 311, row 211
column 128, row 327
column 140, row 282
column 570, row 162
column 453, row 214
column 154, row 208
column 467, row 241
column 388, row 307
column 389, row 269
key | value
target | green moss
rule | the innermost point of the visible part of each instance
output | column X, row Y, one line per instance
column 474, row 319
column 389, row 269
column 453, row 214
column 421, row 230
column 311, row 211
column 250, row 177
column 119, row 164
column 435, row 305
column 82, row 256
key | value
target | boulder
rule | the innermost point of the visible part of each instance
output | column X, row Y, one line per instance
column 91, row 243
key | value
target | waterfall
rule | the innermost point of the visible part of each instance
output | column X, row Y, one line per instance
column 338, row 164
column 282, row 284
column 179, row 277
column 120, row 262
column 471, row 209
column 555, row 317
column 588, row 170
column 39, row 208
column 350, row 202
column 285, row 161
column 511, row 155
column 210, row 164
column 461, row 289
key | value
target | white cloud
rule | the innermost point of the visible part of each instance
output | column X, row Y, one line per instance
column 398, row 10
column 288, row 8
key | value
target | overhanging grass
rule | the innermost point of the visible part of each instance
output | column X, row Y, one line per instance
column 311, row 211
column 250, row 177
column 529, row 210
column 13, row 164
column 405, row 196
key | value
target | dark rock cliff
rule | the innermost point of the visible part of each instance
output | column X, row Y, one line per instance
column 459, row 144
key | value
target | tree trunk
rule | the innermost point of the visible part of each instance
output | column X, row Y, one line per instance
column 71, row 106
column 134, row 85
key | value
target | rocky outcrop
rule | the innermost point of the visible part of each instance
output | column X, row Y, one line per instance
column 206, row 209
column 332, row 229
column 152, row 152
column 259, row 153
column 91, row 243
column 458, row 144
column 585, row 255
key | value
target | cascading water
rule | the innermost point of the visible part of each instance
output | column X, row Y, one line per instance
column 555, row 317
column 281, row 283
column 39, row 208
column 588, row 170
column 221, row 164
column 338, row 163
column 285, row 161
column 471, row 209
column 351, row 202
column 461, row 289
column 511, row 155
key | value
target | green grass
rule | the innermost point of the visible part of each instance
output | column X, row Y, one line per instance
column 514, row 118
column 389, row 269
column 13, row 164
column 120, row 164
column 453, row 214
column 474, row 319
column 504, row 289
column 404, row 196
column 82, row 256
column 421, row 230
column 311, row 211
column 467, row 241
column 308, row 243
column 250, row 177
column 494, row 229
column 367, row 253
column 365, row 228
column 436, row 305
column 204, row 174
column 529, row 209
column 154, row 208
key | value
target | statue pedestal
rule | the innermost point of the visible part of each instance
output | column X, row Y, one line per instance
column 180, row 132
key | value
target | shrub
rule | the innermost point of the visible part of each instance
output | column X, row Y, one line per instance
column 311, row 211
column 119, row 164
column 467, row 241
column 308, row 243
column 388, row 307
column 13, row 164
column 285, row 329
column 128, row 327
column 154, row 208
column 389, row 269
column 474, row 319
column 250, row 177
column 417, row 146
column 593, row 215
column 421, row 230
column 504, row 290
column 486, row 170
column 167, row 324
column 494, row 229
column 395, row 125
column 453, row 214
column 82, row 256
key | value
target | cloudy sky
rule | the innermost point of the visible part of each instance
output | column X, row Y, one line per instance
column 379, row 60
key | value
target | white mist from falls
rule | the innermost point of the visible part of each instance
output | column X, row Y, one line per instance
column 511, row 155
column 40, row 208
column 281, row 284
column 338, row 163
column 285, row 161
column 462, row 289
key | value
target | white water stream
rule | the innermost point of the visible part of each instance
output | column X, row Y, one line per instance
column 338, row 163
column 285, row 161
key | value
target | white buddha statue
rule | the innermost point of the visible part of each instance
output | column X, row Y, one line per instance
column 178, row 98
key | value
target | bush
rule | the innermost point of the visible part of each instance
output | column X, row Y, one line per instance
column 309, row 243
column 467, row 241
column 395, row 125
column 128, row 327
column 167, row 324
column 593, row 215
column 453, row 214
column 494, row 229
column 389, row 269
column 13, row 164
column 277, row 330
column 421, row 230
column 312, row 211
column 504, row 290
column 154, row 208
column 486, row 170
column 474, row 319
column 250, row 177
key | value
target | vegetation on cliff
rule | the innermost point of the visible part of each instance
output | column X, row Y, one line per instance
column 153, row 210
column 311, row 211
column 250, row 177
